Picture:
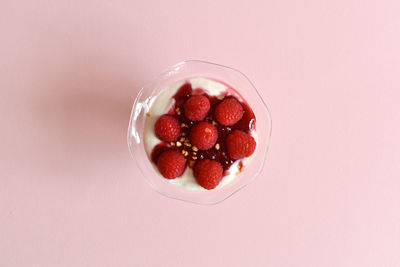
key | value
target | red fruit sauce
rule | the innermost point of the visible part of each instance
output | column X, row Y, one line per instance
column 220, row 155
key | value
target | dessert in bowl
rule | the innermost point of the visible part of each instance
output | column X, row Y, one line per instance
column 204, row 122
column 199, row 132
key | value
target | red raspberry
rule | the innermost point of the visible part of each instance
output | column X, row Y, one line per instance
column 196, row 107
column 203, row 135
column 167, row 128
column 239, row 144
column 208, row 173
column 229, row 111
column 171, row 164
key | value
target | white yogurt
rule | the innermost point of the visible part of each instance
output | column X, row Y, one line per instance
column 161, row 104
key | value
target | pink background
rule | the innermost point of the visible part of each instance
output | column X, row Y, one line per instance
column 70, row 194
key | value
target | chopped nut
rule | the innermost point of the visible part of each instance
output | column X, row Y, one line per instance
column 194, row 158
column 194, row 153
column 183, row 134
column 182, row 139
column 214, row 123
column 172, row 143
column 148, row 114
column 241, row 166
column 178, row 144
column 220, row 97
column 183, row 152
column 191, row 163
column 217, row 146
column 195, row 148
column 186, row 153
column 178, row 111
column 183, row 126
column 207, row 130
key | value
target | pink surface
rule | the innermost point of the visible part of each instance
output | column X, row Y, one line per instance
column 70, row 194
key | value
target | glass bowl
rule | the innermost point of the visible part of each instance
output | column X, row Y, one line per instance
column 185, row 70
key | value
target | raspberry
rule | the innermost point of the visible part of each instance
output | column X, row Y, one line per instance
column 203, row 135
column 208, row 173
column 229, row 112
column 167, row 128
column 171, row 164
column 196, row 107
column 239, row 144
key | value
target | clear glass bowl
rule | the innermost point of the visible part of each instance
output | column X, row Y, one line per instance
column 185, row 70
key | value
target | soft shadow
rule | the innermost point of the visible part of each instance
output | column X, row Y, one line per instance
column 83, row 112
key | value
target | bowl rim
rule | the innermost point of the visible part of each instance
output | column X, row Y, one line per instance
column 135, row 107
